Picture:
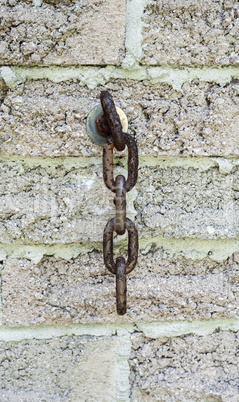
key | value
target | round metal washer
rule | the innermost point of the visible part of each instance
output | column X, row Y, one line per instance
column 91, row 126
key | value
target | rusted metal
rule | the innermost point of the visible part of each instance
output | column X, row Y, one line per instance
column 120, row 205
column 109, row 124
column 108, row 173
column 132, row 163
column 102, row 125
column 108, row 246
column 132, row 246
column 113, row 120
column 121, row 286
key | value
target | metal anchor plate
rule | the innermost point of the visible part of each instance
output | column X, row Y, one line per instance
column 91, row 124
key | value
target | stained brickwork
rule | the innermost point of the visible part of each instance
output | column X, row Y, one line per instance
column 62, row 32
column 161, row 287
column 42, row 118
column 188, row 367
column 172, row 66
column 191, row 32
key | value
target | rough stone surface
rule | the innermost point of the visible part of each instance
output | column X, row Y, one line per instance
column 58, row 369
column 41, row 118
column 65, row 202
column 162, row 287
column 191, row 32
column 190, row 202
column 48, row 204
column 187, row 368
column 62, row 32
column 59, row 202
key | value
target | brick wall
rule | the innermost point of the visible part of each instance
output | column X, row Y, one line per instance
column 173, row 67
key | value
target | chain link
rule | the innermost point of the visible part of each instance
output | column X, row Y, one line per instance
column 132, row 246
column 132, row 163
column 110, row 123
column 120, row 205
column 121, row 286
column 112, row 119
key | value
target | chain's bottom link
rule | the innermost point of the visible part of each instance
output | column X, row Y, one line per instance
column 121, row 286
column 121, row 267
column 132, row 245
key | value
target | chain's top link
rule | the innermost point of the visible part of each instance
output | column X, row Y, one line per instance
column 113, row 120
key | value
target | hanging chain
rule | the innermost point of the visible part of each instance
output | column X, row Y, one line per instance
column 108, row 123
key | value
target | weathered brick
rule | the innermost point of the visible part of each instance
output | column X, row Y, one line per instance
column 162, row 287
column 62, row 32
column 61, row 202
column 185, row 368
column 187, row 202
column 60, row 369
column 55, row 203
column 42, row 118
column 191, row 32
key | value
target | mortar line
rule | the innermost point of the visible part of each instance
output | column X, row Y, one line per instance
column 119, row 67
column 133, row 32
column 51, row 331
column 192, row 248
column 180, row 328
column 154, row 329
column 92, row 76
column 123, row 352
column 225, row 163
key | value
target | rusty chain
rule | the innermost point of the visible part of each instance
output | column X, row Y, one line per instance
column 109, row 124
